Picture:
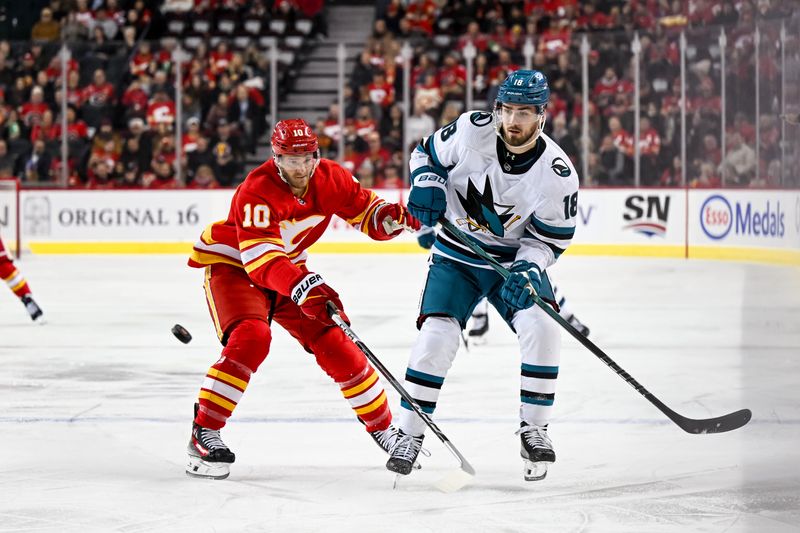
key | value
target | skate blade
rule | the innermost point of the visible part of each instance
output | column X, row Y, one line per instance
column 535, row 471
column 198, row 468
column 453, row 481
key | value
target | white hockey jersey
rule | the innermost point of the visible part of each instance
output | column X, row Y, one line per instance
column 517, row 207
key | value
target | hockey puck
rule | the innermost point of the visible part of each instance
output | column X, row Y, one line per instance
column 181, row 333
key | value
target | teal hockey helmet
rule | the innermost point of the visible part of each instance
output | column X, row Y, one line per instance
column 524, row 87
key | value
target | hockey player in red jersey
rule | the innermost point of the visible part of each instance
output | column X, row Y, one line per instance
column 16, row 282
column 255, row 273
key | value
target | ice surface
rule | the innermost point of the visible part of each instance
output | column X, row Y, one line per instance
column 96, row 407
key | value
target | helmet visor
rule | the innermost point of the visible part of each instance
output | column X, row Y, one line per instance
column 519, row 113
column 297, row 162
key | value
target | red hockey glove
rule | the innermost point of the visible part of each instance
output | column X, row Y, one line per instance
column 390, row 220
column 311, row 293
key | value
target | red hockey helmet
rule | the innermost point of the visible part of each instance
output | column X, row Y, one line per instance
column 293, row 136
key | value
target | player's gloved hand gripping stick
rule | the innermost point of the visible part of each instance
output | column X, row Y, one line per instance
column 719, row 424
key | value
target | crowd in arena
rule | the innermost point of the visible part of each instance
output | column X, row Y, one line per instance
column 120, row 98
column 121, row 112
column 439, row 33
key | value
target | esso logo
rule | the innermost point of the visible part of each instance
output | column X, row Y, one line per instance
column 716, row 217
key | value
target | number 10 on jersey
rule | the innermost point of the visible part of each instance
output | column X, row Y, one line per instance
column 257, row 216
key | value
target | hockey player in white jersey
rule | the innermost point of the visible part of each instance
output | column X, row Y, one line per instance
column 509, row 186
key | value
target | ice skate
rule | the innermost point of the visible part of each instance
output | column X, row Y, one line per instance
column 385, row 438
column 404, row 454
column 33, row 309
column 577, row 324
column 209, row 457
column 537, row 451
column 479, row 329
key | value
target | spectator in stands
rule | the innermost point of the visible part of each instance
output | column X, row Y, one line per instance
column 17, row 143
column 100, row 174
column 672, row 175
column 161, row 176
column 204, row 179
column 227, row 156
column 391, row 128
column 453, row 77
column 248, row 117
column 31, row 112
column 7, row 75
column 739, row 165
column 161, row 111
column 392, row 179
column 364, row 123
column 420, row 123
column 429, row 92
column 127, row 175
column 377, row 155
column 46, row 29
column 98, row 99
column 36, row 166
column 562, row 136
column 611, row 164
column 200, row 156
column 623, row 141
column 218, row 111
column 649, row 151
column 707, row 178
column 381, row 93
column 133, row 158
column 7, row 161
column 72, row 30
column 450, row 113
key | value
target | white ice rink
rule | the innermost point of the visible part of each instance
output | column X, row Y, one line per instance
column 96, row 407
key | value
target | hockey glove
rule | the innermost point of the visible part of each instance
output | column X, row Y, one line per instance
column 428, row 199
column 391, row 220
column 516, row 290
column 311, row 293
column 426, row 237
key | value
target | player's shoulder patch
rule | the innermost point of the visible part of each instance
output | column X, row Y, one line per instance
column 480, row 118
column 560, row 167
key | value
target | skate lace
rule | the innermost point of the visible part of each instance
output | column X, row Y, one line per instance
column 407, row 447
column 211, row 439
column 386, row 437
column 535, row 436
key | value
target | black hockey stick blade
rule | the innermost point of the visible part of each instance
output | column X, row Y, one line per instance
column 450, row 482
column 719, row 424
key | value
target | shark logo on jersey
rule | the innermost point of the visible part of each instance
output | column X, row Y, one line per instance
column 480, row 208
column 560, row 167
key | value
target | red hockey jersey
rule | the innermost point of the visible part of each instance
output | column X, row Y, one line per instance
column 268, row 228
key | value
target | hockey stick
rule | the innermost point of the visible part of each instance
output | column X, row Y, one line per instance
column 449, row 483
column 719, row 424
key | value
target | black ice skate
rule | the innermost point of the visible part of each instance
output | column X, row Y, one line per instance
column 480, row 326
column 385, row 438
column 577, row 324
column 537, row 451
column 33, row 309
column 209, row 457
column 405, row 452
